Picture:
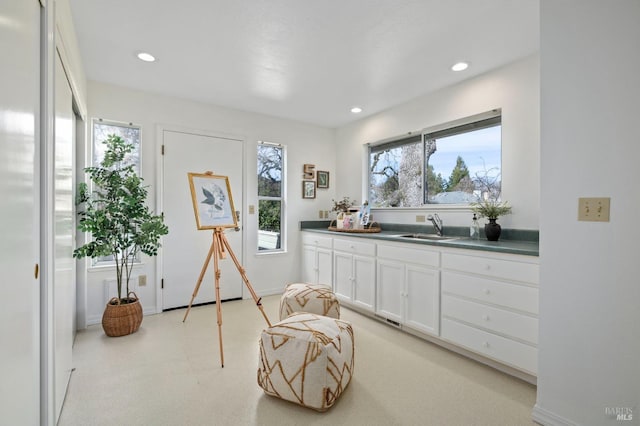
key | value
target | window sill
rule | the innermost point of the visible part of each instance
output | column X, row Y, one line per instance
column 111, row 266
column 430, row 207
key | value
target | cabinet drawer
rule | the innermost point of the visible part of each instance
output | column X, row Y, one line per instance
column 515, row 325
column 499, row 268
column 409, row 255
column 316, row 240
column 354, row 247
column 513, row 296
column 499, row 348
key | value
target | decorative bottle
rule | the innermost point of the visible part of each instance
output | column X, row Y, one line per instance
column 474, row 229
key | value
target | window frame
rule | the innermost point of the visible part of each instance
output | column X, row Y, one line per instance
column 103, row 262
column 281, row 199
column 475, row 122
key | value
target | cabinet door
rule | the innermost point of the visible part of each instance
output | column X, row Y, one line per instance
column 390, row 283
column 343, row 276
column 324, row 267
column 309, row 267
column 422, row 303
column 364, row 283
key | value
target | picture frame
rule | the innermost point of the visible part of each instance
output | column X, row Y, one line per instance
column 322, row 179
column 308, row 189
column 212, row 201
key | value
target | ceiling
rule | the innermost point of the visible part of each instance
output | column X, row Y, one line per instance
column 304, row 60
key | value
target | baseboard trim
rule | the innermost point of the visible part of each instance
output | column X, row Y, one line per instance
column 547, row 418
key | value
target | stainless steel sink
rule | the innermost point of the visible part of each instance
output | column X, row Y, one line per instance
column 432, row 237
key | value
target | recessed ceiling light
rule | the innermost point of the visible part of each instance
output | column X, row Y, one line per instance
column 356, row 110
column 147, row 57
column 460, row 66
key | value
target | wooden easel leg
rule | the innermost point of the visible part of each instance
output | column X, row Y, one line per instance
column 241, row 270
column 219, row 254
column 200, row 278
column 217, row 251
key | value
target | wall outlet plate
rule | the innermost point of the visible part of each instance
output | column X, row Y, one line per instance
column 420, row 218
column 594, row 209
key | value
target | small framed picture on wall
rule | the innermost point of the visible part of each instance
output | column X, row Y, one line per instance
column 322, row 179
column 308, row 189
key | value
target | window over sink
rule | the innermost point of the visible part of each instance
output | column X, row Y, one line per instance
column 456, row 163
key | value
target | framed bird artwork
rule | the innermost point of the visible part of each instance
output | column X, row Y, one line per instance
column 212, row 201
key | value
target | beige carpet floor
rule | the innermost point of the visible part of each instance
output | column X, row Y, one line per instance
column 168, row 373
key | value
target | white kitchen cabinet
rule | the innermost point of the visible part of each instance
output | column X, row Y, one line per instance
column 490, row 306
column 481, row 304
column 354, row 279
column 317, row 265
column 408, row 287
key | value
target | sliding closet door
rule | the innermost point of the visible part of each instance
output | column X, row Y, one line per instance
column 19, row 215
column 64, row 283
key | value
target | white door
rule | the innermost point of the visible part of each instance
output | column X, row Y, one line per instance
column 364, row 285
column 422, row 309
column 19, row 227
column 64, row 284
column 185, row 248
column 343, row 276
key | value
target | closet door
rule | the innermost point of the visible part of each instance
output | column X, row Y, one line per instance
column 19, row 215
column 64, row 283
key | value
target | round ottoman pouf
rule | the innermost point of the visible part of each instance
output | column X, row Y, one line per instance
column 307, row 359
column 312, row 298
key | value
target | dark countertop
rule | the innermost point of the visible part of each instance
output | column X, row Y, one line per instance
column 527, row 245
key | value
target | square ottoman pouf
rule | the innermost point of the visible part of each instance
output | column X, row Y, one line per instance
column 312, row 298
column 307, row 359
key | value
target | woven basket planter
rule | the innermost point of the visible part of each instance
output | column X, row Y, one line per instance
column 121, row 319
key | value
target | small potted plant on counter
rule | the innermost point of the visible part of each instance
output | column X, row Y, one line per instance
column 342, row 209
column 492, row 210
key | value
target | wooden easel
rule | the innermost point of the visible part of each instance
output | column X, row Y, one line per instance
column 217, row 251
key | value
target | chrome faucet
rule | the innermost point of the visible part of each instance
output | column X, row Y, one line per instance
column 437, row 223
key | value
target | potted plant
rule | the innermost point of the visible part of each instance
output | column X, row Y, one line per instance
column 342, row 206
column 121, row 225
column 492, row 210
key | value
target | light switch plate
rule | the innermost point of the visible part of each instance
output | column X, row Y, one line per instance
column 252, row 209
column 594, row 209
column 420, row 218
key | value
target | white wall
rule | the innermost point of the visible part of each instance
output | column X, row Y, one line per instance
column 514, row 88
column 305, row 144
column 589, row 282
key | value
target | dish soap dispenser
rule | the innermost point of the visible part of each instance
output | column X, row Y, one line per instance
column 474, row 229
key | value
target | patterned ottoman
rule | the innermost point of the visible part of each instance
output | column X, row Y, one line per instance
column 307, row 359
column 312, row 298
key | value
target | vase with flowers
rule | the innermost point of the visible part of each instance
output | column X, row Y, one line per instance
column 342, row 209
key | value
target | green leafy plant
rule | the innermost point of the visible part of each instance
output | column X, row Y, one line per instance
column 342, row 205
column 116, row 215
column 491, row 209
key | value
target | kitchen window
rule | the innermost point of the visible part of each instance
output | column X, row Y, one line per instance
column 455, row 163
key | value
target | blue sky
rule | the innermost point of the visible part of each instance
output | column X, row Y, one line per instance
column 473, row 147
